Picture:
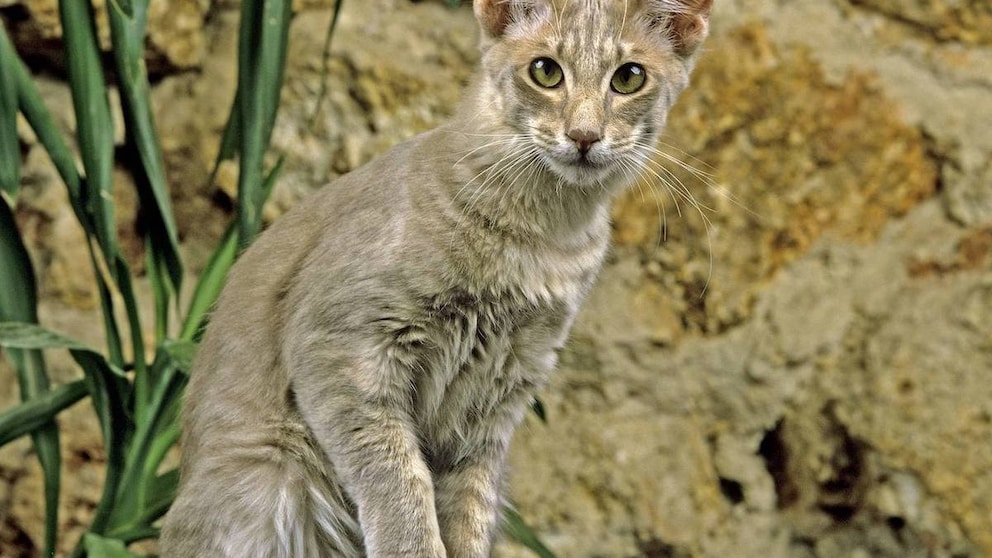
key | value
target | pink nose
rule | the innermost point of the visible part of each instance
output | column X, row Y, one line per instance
column 583, row 139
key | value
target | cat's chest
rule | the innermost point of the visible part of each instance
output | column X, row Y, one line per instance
column 472, row 356
column 488, row 336
column 542, row 277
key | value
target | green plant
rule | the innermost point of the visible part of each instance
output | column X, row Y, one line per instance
column 135, row 389
column 136, row 398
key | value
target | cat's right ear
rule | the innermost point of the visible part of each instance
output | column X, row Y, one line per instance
column 493, row 16
column 496, row 16
column 685, row 22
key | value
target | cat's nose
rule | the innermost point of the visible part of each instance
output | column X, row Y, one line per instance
column 583, row 139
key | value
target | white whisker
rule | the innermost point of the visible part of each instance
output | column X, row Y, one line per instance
column 678, row 190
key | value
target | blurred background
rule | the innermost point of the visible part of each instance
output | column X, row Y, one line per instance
column 799, row 364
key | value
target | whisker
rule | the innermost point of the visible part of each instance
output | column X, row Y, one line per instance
column 492, row 172
column 623, row 22
column 496, row 173
column 679, row 189
column 504, row 141
column 634, row 170
column 677, row 183
column 709, row 179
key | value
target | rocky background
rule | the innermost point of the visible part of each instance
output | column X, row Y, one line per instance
column 797, row 363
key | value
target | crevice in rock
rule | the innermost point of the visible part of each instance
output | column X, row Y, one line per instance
column 896, row 523
column 732, row 490
column 653, row 547
column 842, row 494
column 775, row 452
column 45, row 55
column 832, row 478
column 14, row 541
column 14, row 14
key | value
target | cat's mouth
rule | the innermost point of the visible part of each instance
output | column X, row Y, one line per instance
column 585, row 162
column 580, row 160
column 589, row 161
column 580, row 168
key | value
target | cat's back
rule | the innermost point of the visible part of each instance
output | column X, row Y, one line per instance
column 238, row 380
column 331, row 228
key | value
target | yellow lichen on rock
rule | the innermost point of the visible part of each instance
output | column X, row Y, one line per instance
column 798, row 158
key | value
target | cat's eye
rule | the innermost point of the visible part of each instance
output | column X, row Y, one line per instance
column 628, row 79
column 546, row 73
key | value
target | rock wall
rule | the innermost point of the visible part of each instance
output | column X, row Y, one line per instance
column 789, row 351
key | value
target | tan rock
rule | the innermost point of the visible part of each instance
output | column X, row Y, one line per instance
column 968, row 22
column 175, row 30
column 798, row 158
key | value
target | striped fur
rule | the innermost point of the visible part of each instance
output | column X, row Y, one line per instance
column 358, row 386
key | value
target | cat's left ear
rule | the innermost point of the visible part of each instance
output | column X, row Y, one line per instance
column 496, row 16
column 686, row 22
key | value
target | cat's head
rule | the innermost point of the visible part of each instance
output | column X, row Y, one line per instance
column 588, row 82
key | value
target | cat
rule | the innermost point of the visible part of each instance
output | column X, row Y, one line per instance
column 371, row 354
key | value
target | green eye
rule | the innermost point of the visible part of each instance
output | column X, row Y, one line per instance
column 628, row 79
column 546, row 73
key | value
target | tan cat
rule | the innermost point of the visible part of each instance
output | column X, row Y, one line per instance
column 367, row 363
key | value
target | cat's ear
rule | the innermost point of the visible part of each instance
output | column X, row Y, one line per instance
column 495, row 16
column 685, row 22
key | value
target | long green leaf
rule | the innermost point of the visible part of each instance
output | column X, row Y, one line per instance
column 95, row 131
column 161, row 494
column 114, row 351
column 128, row 34
column 139, row 469
column 100, row 547
column 33, row 414
column 138, row 494
column 123, row 6
column 126, row 288
column 212, row 278
column 261, row 63
column 518, row 530
column 48, row 133
column 10, row 150
column 249, row 127
column 139, row 534
column 18, row 302
column 30, row 335
column 51, row 138
column 94, row 125
column 30, row 104
column 162, row 290
column 210, row 284
column 230, row 139
column 325, row 66
column 109, row 394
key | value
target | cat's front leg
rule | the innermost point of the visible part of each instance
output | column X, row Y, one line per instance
column 361, row 423
column 469, row 490
column 468, row 498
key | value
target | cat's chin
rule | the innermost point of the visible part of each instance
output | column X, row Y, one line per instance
column 583, row 172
